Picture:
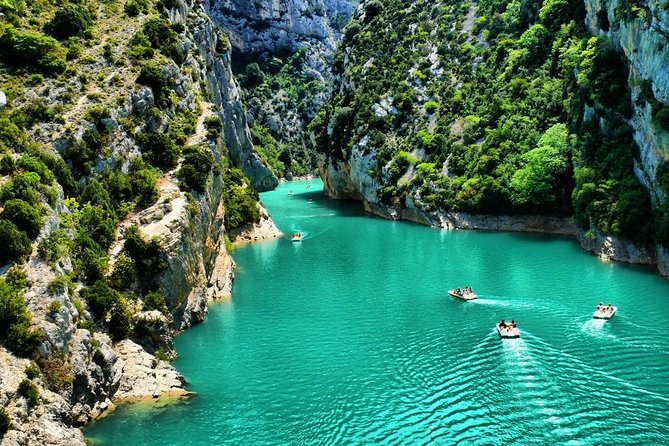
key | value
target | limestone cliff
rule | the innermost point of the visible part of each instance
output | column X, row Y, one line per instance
column 294, row 41
column 89, row 371
column 266, row 25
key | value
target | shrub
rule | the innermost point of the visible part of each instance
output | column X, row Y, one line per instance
column 69, row 21
column 163, row 38
column 135, row 7
column 372, row 9
column 54, row 247
column 15, row 244
column 33, row 164
column 30, row 49
column 58, row 372
column 120, row 320
column 240, row 200
column 22, row 339
column 149, row 258
column 155, row 301
column 95, row 194
column 5, row 422
column 143, row 180
column 90, row 259
column 24, row 216
column 100, row 298
column 98, row 224
column 32, row 371
column 30, row 391
column 153, row 77
column 195, row 168
column 214, row 126
column 99, row 358
column 22, row 186
column 254, row 75
column 124, row 273
column 159, row 149
column 662, row 118
column 54, row 307
column 60, row 284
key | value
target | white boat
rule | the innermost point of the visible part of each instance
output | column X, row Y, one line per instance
column 297, row 237
column 290, row 192
column 464, row 295
column 507, row 331
column 604, row 312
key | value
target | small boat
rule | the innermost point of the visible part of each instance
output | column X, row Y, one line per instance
column 290, row 192
column 463, row 294
column 604, row 312
column 310, row 200
column 507, row 331
column 308, row 186
column 297, row 237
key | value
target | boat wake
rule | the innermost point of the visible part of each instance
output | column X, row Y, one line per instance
column 595, row 327
column 502, row 301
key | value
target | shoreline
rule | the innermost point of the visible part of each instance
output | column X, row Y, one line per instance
column 606, row 248
column 264, row 230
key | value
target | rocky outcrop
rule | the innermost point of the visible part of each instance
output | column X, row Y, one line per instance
column 609, row 248
column 145, row 376
column 3, row 101
column 265, row 229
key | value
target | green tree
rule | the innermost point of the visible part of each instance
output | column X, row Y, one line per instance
column 15, row 244
column 24, row 216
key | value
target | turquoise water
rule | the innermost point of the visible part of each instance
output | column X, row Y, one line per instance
column 349, row 337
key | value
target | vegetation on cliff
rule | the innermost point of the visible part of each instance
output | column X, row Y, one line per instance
column 490, row 107
column 106, row 109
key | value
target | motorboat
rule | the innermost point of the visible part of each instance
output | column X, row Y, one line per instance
column 297, row 237
column 308, row 186
column 290, row 192
column 604, row 312
column 508, row 330
column 463, row 293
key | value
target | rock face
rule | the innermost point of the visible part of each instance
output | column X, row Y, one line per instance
column 3, row 101
column 266, row 25
column 643, row 39
column 216, row 70
column 144, row 376
column 259, row 31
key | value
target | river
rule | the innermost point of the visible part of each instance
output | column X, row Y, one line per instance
column 350, row 337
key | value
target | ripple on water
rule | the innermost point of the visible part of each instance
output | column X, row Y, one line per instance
column 351, row 338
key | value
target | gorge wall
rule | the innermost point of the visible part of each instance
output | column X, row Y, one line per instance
column 84, row 369
column 283, row 53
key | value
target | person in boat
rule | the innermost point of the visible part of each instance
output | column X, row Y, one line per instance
column 502, row 324
column 513, row 323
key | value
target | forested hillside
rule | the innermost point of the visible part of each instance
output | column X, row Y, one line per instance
column 497, row 107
